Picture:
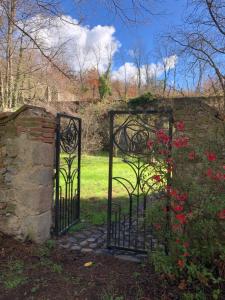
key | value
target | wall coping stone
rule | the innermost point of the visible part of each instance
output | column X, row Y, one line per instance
column 6, row 117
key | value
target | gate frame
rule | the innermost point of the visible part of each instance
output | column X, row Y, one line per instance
column 112, row 113
column 59, row 116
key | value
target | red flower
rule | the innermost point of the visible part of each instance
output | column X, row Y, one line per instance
column 171, row 191
column 181, row 218
column 182, row 197
column 162, row 137
column 181, row 142
column 178, row 208
column 224, row 167
column 219, row 176
column 186, row 244
column 157, row 226
column 180, row 126
column 210, row 156
column 150, row 144
column 221, row 214
column 180, row 263
column 192, row 155
column 209, row 173
column 157, row 178
column 186, row 254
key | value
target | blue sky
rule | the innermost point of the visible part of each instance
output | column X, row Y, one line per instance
column 87, row 45
column 170, row 13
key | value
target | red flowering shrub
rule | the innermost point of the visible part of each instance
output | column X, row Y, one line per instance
column 180, row 126
column 192, row 223
column 210, row 156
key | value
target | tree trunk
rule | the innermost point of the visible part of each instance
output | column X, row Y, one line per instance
column 15, row 92
column 11, row 7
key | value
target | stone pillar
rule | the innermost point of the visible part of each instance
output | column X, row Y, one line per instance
column 26, row 173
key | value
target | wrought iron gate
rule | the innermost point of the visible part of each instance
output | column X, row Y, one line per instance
column 67, row 176
column 142, row 140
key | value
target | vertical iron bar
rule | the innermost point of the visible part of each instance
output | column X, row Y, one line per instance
column 130, row 217
column 79, row 168
column 144, row 223
column 138, row 204
column 109, row 220
column 60, row 209
column 71, row 201
column 57, row 174
column 119, row 220
column 65, row 205
column 116, row 226
column 170, row 119
column 124, row 230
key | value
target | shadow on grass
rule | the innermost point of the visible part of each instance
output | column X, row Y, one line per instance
column 93, row 212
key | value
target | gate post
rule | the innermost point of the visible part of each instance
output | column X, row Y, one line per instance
column 26, row 173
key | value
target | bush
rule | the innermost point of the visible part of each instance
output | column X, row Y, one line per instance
column 142, row 100
column 95, row 126
column 195, row 232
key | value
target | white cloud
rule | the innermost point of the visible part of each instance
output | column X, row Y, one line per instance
column 170, row 62
column 82, row 46
column 129, row 71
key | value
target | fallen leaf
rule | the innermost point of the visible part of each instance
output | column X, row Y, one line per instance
column 182, row 285
column 88, row 264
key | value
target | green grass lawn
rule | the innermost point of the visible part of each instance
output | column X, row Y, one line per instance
column 94, row 187
column 94, row 176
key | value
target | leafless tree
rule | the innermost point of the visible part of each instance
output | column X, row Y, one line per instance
column 138, row 56
column 131, row 11
column 18, row 41
column 201, row 40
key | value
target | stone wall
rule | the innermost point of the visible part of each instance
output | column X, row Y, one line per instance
column 205, row 127
column 26, row 173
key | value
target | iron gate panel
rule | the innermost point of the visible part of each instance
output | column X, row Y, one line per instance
column 67, row 176
column 143, row 142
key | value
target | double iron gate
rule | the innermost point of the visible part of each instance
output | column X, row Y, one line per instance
column 142, row 141
column 67, row 172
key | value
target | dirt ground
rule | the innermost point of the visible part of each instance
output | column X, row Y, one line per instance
column 28, row 271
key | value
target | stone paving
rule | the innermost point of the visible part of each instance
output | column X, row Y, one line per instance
column 93, row 240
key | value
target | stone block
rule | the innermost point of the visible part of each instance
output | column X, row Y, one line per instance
column 3, row 205
column 37, row 228
column 11, row 226
column 12, row 148
column 35, row 176
column 43, row 154
column 34, row 201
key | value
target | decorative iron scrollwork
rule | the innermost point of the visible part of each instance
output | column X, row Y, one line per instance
column 69, row 136
column 67, row 178
column 131, row 137
column 143, row 141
